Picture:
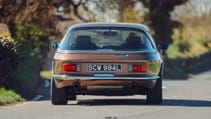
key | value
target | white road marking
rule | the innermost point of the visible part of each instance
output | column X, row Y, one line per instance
column 164, row 87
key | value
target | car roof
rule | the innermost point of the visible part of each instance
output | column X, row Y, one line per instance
column 110, row 24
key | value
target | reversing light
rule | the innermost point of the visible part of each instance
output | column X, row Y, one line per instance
column 71, row 67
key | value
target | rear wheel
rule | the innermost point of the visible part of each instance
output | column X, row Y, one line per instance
column 71, row 94
column 58, row 95
column 154, row 95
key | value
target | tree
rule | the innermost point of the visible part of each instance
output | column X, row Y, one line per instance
column 100, row 10
column 20, row 12
column 159, row 18
column 124, row 7
column 193, row 8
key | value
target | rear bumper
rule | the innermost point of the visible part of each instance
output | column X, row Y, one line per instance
column 67, row 77
column 85, row 81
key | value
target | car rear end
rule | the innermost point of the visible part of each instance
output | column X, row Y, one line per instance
column 100, row 59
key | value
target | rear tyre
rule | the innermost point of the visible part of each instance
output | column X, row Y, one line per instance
column 154, row 95
column 58, row 95
column 71, row 94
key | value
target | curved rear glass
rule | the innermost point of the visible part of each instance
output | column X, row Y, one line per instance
column 106, row 38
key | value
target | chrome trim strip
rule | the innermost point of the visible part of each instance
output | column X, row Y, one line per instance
column 105, row 51
column 67, row 77
column 104, row 75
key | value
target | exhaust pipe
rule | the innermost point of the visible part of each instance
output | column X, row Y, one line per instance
column 76, row 85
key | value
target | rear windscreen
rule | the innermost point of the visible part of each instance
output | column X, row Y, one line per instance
column 106, row 38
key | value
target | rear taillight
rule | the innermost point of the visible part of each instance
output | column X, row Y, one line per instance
column 137, row 68
column 71, row 67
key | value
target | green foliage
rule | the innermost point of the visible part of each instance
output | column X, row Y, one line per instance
column 179, row 47
column 22, row 59
column 28, row 38
column 187, row 57
column 30, row 43
column 184, row 45
column 9, row 97
column 190, row 52
column 193, row 40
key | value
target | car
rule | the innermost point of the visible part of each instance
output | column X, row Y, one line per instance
column 110, row 59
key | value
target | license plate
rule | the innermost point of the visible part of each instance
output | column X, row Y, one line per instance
column 104, row 67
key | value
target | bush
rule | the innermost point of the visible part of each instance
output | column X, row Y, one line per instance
column 26, row 77
column 184, row 46
column 182, row 68
column 32, row 42
column 8, row 58
column 27, row 37
column 20, row 58
column 9, row 97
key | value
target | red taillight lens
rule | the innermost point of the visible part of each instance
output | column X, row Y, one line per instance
column 138, row 68
column 70, row 67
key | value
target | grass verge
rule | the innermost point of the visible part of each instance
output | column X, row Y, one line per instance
column 9, row 97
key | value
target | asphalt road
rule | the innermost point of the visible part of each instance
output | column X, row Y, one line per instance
column 183, row 99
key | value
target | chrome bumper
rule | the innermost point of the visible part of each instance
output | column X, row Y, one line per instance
column 68, row 77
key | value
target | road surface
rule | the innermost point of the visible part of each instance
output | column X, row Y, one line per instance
column 183, row 99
